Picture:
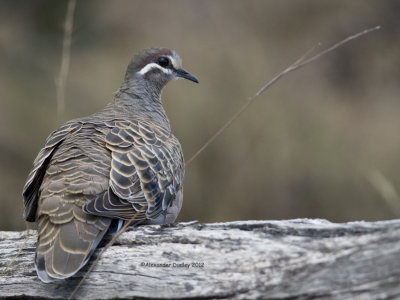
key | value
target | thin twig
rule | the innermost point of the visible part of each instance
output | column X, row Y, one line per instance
column 65, row 57
column 60, row 82
column 386, row 189
column 28, row 233
column 302, row 61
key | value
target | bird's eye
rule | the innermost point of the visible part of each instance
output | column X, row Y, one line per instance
column 163, row 61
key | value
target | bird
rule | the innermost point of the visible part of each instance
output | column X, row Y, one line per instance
column 95, row 173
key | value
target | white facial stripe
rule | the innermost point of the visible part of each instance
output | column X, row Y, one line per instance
column 152, row 66
column 173, row 62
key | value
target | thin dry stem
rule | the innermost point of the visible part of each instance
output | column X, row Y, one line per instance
column 65, row 57
column 386, row 190
column 60, row 82
column 28, row 233
column 302, row 61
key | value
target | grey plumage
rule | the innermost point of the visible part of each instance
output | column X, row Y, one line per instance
column 96, row 172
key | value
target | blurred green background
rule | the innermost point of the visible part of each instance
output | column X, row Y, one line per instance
column 322, row 143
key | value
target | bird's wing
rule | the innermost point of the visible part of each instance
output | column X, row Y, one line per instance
column 35, row 177
column 76, row 173
column 146, row 172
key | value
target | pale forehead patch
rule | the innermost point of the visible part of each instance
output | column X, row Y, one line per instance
column 175, row 61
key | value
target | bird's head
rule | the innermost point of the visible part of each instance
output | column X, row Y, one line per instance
column 156, row 67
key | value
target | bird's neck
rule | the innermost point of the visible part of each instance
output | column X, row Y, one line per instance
column 142, row 102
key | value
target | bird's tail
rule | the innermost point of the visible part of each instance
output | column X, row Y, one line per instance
column 63, row 249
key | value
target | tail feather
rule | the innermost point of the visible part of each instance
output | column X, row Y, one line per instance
column 68, row 248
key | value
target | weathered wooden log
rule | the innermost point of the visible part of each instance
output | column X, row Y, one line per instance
column 294, row 259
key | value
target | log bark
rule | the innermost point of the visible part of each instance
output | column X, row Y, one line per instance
column 292, row 259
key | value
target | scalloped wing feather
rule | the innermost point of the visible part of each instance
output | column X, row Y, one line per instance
column 35, row 177
column 146, row 172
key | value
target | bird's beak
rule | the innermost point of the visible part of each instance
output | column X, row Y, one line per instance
column 184, row 74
